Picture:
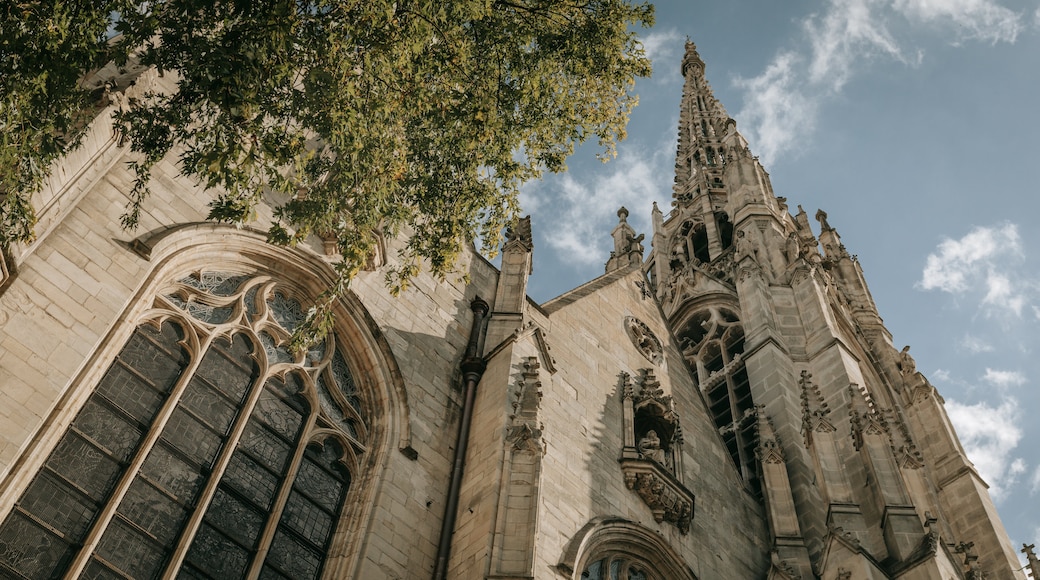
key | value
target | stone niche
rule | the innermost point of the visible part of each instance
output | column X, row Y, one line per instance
column 651, row 459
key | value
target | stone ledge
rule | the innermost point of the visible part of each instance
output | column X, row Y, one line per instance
column 668, row 499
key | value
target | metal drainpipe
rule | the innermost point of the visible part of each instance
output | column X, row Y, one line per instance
column 472, row 367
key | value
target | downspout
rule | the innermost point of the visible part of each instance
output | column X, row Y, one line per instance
column 472, row 367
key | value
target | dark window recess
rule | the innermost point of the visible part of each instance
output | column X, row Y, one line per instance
column 200, row 441
column 39, row 537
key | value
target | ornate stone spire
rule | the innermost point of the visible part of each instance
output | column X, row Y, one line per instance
column 702, row 123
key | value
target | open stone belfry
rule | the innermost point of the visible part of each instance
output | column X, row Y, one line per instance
column 729, row 405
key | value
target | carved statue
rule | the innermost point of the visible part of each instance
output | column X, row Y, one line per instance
column 650, row 447
column 635, row 243
column 793, row 248
column 907, row 366
column 743, row 245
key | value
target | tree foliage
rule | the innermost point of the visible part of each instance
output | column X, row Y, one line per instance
column 359, row 116
column 45, row 48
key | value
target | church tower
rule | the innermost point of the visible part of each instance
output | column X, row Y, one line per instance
column 847, row 445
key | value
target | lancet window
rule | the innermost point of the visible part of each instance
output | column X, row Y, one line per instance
column 207, row 449
column 725, row 228
column 712, row 340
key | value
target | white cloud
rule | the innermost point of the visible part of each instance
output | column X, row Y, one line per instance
column 1000, row 292
column 975, row 345
column 1034, row 481
column 850, row 30
column 663, row 46
column 1004, row 379
column 780, row 105
column 957, row 263
column 777, row 113
column 989, row 436
column 971, row 19
column 941, row 375
column 582, row 214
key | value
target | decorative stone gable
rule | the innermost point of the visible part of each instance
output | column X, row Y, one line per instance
column 814, row 409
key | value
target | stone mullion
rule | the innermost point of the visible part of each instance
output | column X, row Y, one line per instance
column 108, row 511
column 187, row 533
column 280, row 499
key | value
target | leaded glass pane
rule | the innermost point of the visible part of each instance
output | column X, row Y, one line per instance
column 30, row 550
column 207, row 313
column 289, row 390
column 97, row 571
column 268, row 573
column 251, row 479
column 264, row 446
column 286, row 311
column 130, row 393
column 331, row 408
column 277, row 414
column 54, row 502
column 205, row 403
column 105, row 426
column 292, row 557
column 318, row 484
column 187, row 572
column 156, row 354
column 229, row 369
column 83, row 464
column 177, row 301
column 216, row 555
column 153, row 511
column 172, row 473
column 235, row 518
column 190, row 436
column 345, row 381
column 275, row 353
column 219, row 283
column 305, row 517
column 593, row 571
column 636, row 575
column 129, row 551
column 251, row 301
column 316, row 353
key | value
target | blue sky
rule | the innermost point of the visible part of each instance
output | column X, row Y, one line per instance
column 913, row 123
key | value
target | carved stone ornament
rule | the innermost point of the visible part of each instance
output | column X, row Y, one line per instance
column 668, row 499
column 644, row 339
column 651, row 459
column 525, row 432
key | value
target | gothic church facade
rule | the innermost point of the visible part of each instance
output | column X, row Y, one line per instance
column 729, row 406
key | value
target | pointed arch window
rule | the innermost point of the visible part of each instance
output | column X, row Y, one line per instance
column 207, row 450
column 712, row 340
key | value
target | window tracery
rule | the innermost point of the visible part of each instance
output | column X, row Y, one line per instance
column 207, row 449
column 712, row 340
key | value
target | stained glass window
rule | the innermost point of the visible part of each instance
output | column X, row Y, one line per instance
column 617, row 567
column 202, row 464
